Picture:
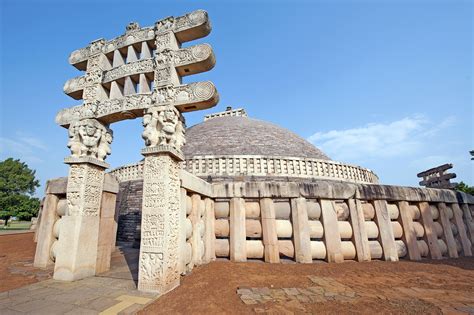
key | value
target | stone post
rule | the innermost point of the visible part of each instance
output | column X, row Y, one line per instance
column 466, row 244
column 78, row 237
column 409, row 233
column 359, row 233
column 301, row 235
column 209, row 234
column 269, row 233
column 332, row 237
column 447, row 230
column 182, row 234
column 76, row 258
column 430, row 236
column 386, row 237
column 237, row 234
column 159, row 263
column 195, row 217
column 45, row 231
column 159, row 259
column 108, row 224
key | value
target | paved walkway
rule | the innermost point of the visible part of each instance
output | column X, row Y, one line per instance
column 111, row 293
column 326, row 289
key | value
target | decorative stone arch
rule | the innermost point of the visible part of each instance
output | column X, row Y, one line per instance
column 138, row 74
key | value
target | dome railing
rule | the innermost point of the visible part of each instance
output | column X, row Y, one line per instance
column 263, row 166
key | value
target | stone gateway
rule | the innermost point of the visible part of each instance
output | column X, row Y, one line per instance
column 231, row 187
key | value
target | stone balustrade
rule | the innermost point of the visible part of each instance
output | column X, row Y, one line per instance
column 314, row 221
column 262, row 166
column 128, row 172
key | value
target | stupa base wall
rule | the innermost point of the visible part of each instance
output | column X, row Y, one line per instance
column 322, row 220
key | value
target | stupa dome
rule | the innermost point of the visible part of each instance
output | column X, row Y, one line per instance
column 230, row 146
column 233, row 135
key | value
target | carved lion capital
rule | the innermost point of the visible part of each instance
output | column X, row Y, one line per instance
column 164, row 125
column 89, row 138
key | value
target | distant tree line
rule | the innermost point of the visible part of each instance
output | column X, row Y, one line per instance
column 465, row 188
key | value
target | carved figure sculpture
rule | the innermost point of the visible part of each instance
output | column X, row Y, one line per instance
column 89, row 137
column 149, row 134
column 164, row 125
column 74, row 144
column 104, row 146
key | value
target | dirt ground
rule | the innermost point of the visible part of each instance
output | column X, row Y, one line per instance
column 434, row 287
column 403, row 287
column 16, row 262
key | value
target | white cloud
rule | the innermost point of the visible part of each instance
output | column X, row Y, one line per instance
column 379, row 140
column 32, row 141
column 24, row 147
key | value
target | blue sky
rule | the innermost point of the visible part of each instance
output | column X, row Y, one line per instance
column 383, row 84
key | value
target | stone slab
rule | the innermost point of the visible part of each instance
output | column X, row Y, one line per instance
column 430, row 236
column 359, row 233
column 57, row 186
column 195, row 184
column 77, row 248
column 238, row 247
column 45, row 231
column 386, row 237
column 409, row 233
column 332, row 236
column 301, row 235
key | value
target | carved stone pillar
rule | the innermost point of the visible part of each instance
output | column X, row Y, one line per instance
column 89, row 141
column 159, row 263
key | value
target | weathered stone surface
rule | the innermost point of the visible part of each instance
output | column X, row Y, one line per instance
column 409, row 236
column 246, row 136
column 301, row 235
column 111, row 184
column 167, row 66
column 238, row 251
column 195, row 184
column 45, row 231
column 431, row 235
column 78, row 247
column 386, row 235
column 78, row 238
column 270, row 238
column 107, row 232
column 159, row 265
column 359, row 236
column 56, row 186
column 331, row 231
column 89, row 138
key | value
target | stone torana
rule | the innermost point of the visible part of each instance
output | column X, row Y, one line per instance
column 230, row 187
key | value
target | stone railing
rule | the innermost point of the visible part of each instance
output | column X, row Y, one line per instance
column 340, row 221
column 128, row 172
column 261, row 166
column 278, row 166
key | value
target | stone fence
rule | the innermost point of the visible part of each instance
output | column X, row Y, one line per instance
column 270, row 221
column 321, row 220
column 340, row 221
column 261, row 166
column 53, row 224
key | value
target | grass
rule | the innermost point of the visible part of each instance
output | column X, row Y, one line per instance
column 17, row 225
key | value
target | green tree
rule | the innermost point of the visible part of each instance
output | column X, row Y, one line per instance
column 465, row 188
column 17, row 185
